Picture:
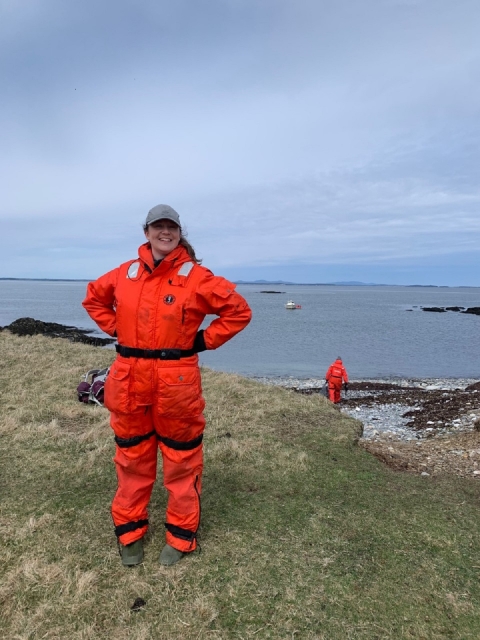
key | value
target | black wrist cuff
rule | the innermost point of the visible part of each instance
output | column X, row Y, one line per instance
column 199, row 342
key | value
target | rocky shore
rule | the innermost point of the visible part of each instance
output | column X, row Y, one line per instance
column 32, row 327
column 424, row 426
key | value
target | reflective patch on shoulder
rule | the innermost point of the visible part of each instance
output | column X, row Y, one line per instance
column 133, row 270
column 185, row 269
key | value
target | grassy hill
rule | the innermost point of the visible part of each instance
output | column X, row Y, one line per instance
column 304, row 534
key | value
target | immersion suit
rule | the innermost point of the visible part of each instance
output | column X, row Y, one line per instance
column 335, row 375
column 153, row 390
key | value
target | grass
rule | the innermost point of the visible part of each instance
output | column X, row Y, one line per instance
column 304, row 534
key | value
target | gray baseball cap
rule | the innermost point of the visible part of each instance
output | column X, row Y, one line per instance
column 162, row 212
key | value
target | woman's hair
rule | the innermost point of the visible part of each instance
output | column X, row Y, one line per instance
column 185, row 243
column 190, row 250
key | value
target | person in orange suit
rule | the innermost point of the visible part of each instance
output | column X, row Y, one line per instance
column 335, row 375
column 154, row 306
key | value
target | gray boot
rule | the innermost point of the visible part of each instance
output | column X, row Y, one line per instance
column 132, row 554
column 170, row 555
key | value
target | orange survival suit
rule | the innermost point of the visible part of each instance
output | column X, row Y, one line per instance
column 335, row 375
column 153, row 389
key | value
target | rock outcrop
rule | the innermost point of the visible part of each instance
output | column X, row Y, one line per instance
column 32, row 327
column 472, row 310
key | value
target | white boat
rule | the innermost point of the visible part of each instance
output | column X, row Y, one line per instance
column 290, row 305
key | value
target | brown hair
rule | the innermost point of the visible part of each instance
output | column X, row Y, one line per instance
column 190, row 250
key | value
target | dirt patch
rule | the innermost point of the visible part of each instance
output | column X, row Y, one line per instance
column 78, row 424
column 457, row 454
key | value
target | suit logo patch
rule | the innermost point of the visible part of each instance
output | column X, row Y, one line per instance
column 169, row 299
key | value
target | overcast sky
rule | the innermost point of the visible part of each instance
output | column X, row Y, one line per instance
column 308, row 140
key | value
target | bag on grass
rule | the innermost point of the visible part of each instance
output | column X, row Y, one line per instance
column 91, row 389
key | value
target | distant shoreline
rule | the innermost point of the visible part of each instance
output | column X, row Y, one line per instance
column 277, row 282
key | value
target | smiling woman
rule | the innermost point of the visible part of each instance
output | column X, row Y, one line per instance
column 155, row 305
column 163, row 231
column 164, row 236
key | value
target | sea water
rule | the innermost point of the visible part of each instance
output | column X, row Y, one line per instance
column 379, row 331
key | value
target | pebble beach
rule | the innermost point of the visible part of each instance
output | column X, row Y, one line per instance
column 428, row 426
column 396, row 408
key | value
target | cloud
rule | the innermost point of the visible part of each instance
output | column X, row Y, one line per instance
column 317, row 132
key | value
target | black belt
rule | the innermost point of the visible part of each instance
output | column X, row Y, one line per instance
column 178, row 532
column 179, row 445
column 126, row 443
column 129, row 526
column 160, row 354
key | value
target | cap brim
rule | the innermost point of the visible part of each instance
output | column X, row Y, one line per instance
column 163, row 217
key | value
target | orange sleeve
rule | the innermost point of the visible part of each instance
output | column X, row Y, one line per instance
column 216, row 295
column 345, row 374
column 100, row 301
column 328, row 374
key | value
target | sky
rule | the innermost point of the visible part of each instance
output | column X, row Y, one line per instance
column 303, row 140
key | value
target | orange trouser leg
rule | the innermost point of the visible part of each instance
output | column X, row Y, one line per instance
column 180, row 441
column 136, row 466
column 182, row 477
column 334, row 391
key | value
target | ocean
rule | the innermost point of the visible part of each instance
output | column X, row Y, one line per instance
column 379, row 331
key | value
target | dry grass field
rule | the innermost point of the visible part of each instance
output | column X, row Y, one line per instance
column 304, row 534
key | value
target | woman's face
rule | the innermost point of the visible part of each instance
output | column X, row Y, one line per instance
column 164, row 236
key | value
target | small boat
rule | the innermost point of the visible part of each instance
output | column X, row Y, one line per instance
column 291, row 305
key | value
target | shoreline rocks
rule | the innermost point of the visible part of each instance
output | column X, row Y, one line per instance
column 32, row 327
column 471, row 310
column 414, row 411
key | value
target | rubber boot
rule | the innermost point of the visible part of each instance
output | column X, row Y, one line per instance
column 170, row 555
column 132, row 554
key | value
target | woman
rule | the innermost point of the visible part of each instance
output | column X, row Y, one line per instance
column 154, row 306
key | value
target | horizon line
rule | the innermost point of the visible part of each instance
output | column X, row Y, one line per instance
column 275, row 282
